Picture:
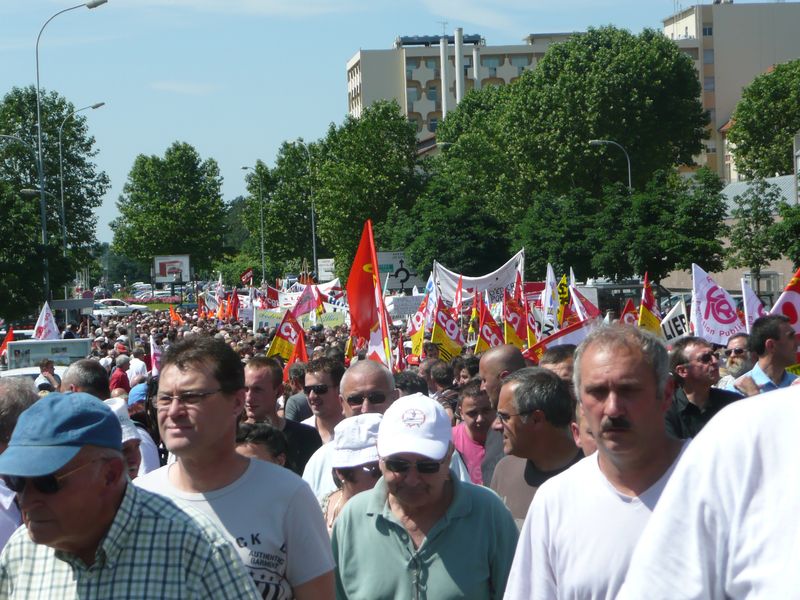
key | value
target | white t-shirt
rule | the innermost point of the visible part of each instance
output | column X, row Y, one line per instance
column 149, row 452
column 579, row 535
column 270, row 517
column 726, row 525
column 137, row 368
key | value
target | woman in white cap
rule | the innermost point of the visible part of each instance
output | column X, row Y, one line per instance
column 355, row 462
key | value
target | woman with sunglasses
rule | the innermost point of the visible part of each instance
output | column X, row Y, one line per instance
column 355, row 462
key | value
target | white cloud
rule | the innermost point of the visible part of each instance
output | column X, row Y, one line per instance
column 186, row 88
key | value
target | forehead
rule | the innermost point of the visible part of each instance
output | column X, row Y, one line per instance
column 697, row 348
column 258, row 374
column 507, row 393
column 739, row 342
column 320, row 377
column 617, row 362
column 173, row 375
column 366, row 380
column 476, row 401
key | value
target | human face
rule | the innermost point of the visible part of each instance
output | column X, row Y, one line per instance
column 622, row 405
column 133, row 457
column 581, row 434
column 517, row 434
column 261, row 452
column 463, row 377
column 785, row 347
column 413, row 489
column 478, row 415
column 702, row 366
column 67, row 519
column 359, row 479
column 736, row 353
column 207, row 426
column 490, row 376
column 324, row 405
column 261, row 395
column 360, row 384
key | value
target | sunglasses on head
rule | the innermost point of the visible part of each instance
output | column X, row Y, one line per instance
column 736, row 351
column 371, row 397
column 47, row 484
column 400, row 465
column 321, row 388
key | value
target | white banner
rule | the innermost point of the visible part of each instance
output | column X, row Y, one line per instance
column 714, row 316
column 550, row 303
column 676, row 324
column 753, row 307
column 46, row 328
column 495, row 282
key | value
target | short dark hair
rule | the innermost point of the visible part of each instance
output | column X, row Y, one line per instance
column 334, row 368
column 763, row 329
column 272, row 365
column 297, row 370
column 541, row 389
column 442, row 373
column 88, row 375
column 409, row 382
column 263, row 434
column 678, row 354
column 228, row 368
column 335, row 353
column 471, row 389
column 472, row 365
column 557, row 354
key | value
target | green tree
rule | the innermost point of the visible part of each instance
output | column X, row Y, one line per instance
column 754, row 236
column 788, row 232
column 765, row 122
column 235, row 236
column 84, row 187
column 171, row 205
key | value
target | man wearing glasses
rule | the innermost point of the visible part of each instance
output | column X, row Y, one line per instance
column 323, row 376
column 420, row 532
column 534, row 414
column 738, row 360
column 774, row 340
column 267, row 513
column 88, row 532
column 695, row 368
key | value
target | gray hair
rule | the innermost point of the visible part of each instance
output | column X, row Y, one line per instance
column 16, row 395
column 541, row 389
column 122, row 360
column 88, row 376
column 652, row 349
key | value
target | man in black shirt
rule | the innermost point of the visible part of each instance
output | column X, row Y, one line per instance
column 695, row 367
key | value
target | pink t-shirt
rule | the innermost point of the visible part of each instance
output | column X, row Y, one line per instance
column 471, row 451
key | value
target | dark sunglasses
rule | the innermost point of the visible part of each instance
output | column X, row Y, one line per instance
column 371, row 397
column 425, row 467
column 706, row 358
column 318, row 389
column 47, row 484
column 736, row 351
column 371, row 469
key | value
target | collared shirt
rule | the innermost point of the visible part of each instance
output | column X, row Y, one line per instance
column 765, row 384
column 685, row 420
column 466, row 554
column 152, row 550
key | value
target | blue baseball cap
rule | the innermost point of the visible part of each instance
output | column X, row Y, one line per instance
column 53, row 430
column 138, row 393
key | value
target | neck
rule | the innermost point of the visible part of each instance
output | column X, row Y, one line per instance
column 199, row 474
column 696, row 394
column 560, row 450
column 479, row 437
column 325, row 427
column 272, row 418
column 636, row 475
column 427, row 513
column 771, row 369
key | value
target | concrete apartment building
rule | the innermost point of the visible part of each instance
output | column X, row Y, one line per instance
column 731, row 44
column 411, row 73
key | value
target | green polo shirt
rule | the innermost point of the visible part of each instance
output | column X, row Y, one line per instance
column 467, row 554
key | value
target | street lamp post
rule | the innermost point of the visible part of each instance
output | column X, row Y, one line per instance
column 313, row 217
column 61, row 175
column 261, row 212
column 42, row 201
column 618, row 145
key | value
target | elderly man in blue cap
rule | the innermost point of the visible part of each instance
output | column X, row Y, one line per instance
column 87, row 532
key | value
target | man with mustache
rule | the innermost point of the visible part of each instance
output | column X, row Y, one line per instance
column 583, row 524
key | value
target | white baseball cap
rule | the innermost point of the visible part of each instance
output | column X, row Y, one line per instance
column 120, row 408
column 354, row 441
column 415, row 424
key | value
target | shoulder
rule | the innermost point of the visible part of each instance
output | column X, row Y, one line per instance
column 572, row 482
column 154, row 481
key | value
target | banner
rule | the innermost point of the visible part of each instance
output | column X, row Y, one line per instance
column 788, row 304
column 446, row 333
column 246, row 277
column 713, row 314
column 583, row 306
column 649, row 315
column 753, row 307
column 46, row 328
column 286, row 338
column 495, row 282
column 676, row 324
column 574, row 334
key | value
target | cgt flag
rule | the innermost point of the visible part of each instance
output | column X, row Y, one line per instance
column 649, row 315
column 514, row 324
column 286, row 338
column 446, row 333
column 489, row 333
column 629, row 314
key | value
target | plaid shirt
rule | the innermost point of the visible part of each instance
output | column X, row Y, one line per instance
column 153, row 549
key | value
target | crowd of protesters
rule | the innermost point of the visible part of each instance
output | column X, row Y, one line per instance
column 479, row 477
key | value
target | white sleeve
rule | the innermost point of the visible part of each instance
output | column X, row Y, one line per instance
column 532, row 575
column 149, row 452
column 459, row 468
column 308, row 543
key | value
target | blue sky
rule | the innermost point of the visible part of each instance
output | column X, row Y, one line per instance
column 235, row 78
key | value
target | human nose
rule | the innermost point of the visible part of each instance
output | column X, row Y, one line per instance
column 497, row 424
column 614, row 405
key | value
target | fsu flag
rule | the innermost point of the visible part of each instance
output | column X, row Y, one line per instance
column 489, row 334
column 563, row 298
column 629, row 314
column 788, row 304
column 753, row 307
column 649, row 315
column 446, row 333
column 286, row 338
column 46, row 328
column 514, row 325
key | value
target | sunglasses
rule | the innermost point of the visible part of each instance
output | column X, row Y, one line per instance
column 424, row 467
column 707, row 357
column 318, row 389
column 47, row 484
column 736, row 351
column 371, row 469
column 371, row 397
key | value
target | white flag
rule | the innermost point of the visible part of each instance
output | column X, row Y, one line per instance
column 155, row 357
column 676, row 324
column 753, row 307
column 714, row 316
column 46, row 328
column 550, row 303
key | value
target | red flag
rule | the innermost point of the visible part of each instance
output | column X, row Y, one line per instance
column 514, row 322
column 574, row 334
column 518, row 291
column 583, row 306
column 400, row 355
column 307, row 301
column 298, row 354
column 9, row 338
column 489, row 333
column 457, row 301
column 788, row 304
column 629, row 316
column 174, row 317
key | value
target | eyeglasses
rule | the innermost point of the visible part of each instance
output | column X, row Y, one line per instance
column 371, row 469
column 707, row 357
column 164, row 401
column 371, row 397
column 424, row 467
column 736, row 351
column 318, row 389
column 48, row 484
column 505, row 417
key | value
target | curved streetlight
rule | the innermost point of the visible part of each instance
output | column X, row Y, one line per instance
column 313, row 218
column 261, row 211
column 618, row 145
column 61, row 172
column 42, row 201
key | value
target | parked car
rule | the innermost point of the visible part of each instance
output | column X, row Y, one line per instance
column 121, row 307
column 31, row 373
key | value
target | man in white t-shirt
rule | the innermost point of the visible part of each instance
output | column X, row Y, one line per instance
column 583, row 524
column 267, row 512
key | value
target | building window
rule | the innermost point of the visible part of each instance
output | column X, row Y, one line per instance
column 467, row 63
column 711, row 148
column 433, row 123
column 412, row 93
column 708, row 30
column 431, row 93
column 520, row 62
column 708, row 84
column 411, row 65
column 491, row 63
column 708, row 56
column 712, row 116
